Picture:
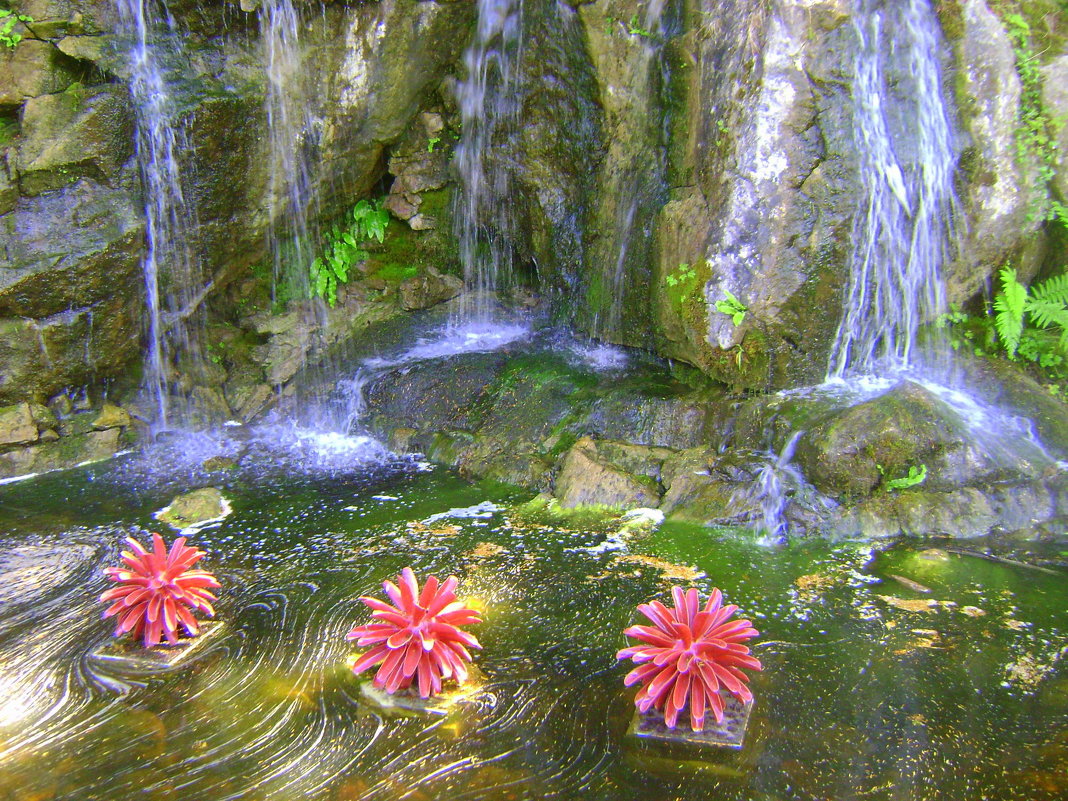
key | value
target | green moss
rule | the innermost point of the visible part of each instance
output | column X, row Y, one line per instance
column 394, row 273
column 951, row 18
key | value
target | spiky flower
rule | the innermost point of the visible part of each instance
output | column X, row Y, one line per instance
column 419, row 639
column 688, row 655
column 157, row 591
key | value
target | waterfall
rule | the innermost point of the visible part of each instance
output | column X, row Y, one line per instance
column 173, row 288
column 907, row 150
column 489, row 108
column 293, row 144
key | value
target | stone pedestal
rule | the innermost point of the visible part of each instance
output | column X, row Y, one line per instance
column 408, row 703
column 128, row 655
column 730, row 733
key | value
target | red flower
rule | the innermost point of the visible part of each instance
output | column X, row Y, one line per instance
column 419, row 638
column 157, row 591
column 690, row 654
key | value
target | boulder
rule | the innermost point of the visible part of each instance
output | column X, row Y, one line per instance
column 64, row 452
column 997, row 186
column 111, row 416
column 195, row 508
column 870, row 443
column 429, row 288
column 586, row 479
column 31, row 69
column 17, row 426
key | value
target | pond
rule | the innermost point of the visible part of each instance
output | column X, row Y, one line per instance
column 903, row 670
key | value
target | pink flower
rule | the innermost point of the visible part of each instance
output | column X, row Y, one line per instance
column 157, row 591
column 690, row 654
column 419, row 638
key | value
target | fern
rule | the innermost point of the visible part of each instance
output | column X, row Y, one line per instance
column 1009, row 306
column 1053, row 290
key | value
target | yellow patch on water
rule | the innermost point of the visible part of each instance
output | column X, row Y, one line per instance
column 484, row 550
column 669, row 571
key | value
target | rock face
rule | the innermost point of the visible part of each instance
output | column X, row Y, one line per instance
column 71, row 221
column 997, row 186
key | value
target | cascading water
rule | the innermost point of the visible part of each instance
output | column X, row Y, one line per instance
column 489, row 106
column 293, row 144
column 173, row 286
column 907, row 151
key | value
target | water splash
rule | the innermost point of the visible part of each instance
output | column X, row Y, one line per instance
column 905, row 231
column 489, row 107
column 174, row 320
column 776, row 480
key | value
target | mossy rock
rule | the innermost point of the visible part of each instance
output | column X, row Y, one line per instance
column 195, row 508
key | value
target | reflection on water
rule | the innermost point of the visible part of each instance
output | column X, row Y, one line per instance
column 903, row 674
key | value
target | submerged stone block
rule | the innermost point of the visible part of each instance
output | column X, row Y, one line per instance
column 408, row 703
column 730, row 733
column 127, row 655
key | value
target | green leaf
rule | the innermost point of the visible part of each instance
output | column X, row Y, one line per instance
column 915, row 476
column 1009, row 306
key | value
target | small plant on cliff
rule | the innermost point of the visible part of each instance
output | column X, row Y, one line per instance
column 158, row 590
column 916, row 475
column 418, row 638
column 343, row 249
column 8, row 20
column 732, row 306
column 689, row 656
column 1035, row 132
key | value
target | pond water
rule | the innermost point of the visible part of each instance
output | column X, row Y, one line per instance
column 872, row 687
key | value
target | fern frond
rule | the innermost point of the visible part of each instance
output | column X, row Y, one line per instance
column 1009, row 306
column 1050, row 315
column 1053, row 290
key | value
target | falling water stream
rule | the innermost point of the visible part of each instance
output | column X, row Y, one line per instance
column 173, row 285
column 907, row 148
column 489, row 107
column 293, row 146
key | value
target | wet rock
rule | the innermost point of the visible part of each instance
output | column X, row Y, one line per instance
column 586, row 479
column 997, row 193
column 111, row 416
column 764, row 161
column 429, row 289
column 55, row 454
column 31, row 69
column 82, row 132
column 17, row 426
column 195, row 508
column 856, row 450
column 1055, row 99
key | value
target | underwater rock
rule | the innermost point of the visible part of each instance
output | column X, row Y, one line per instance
column 30, row 572
column 194, row 509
